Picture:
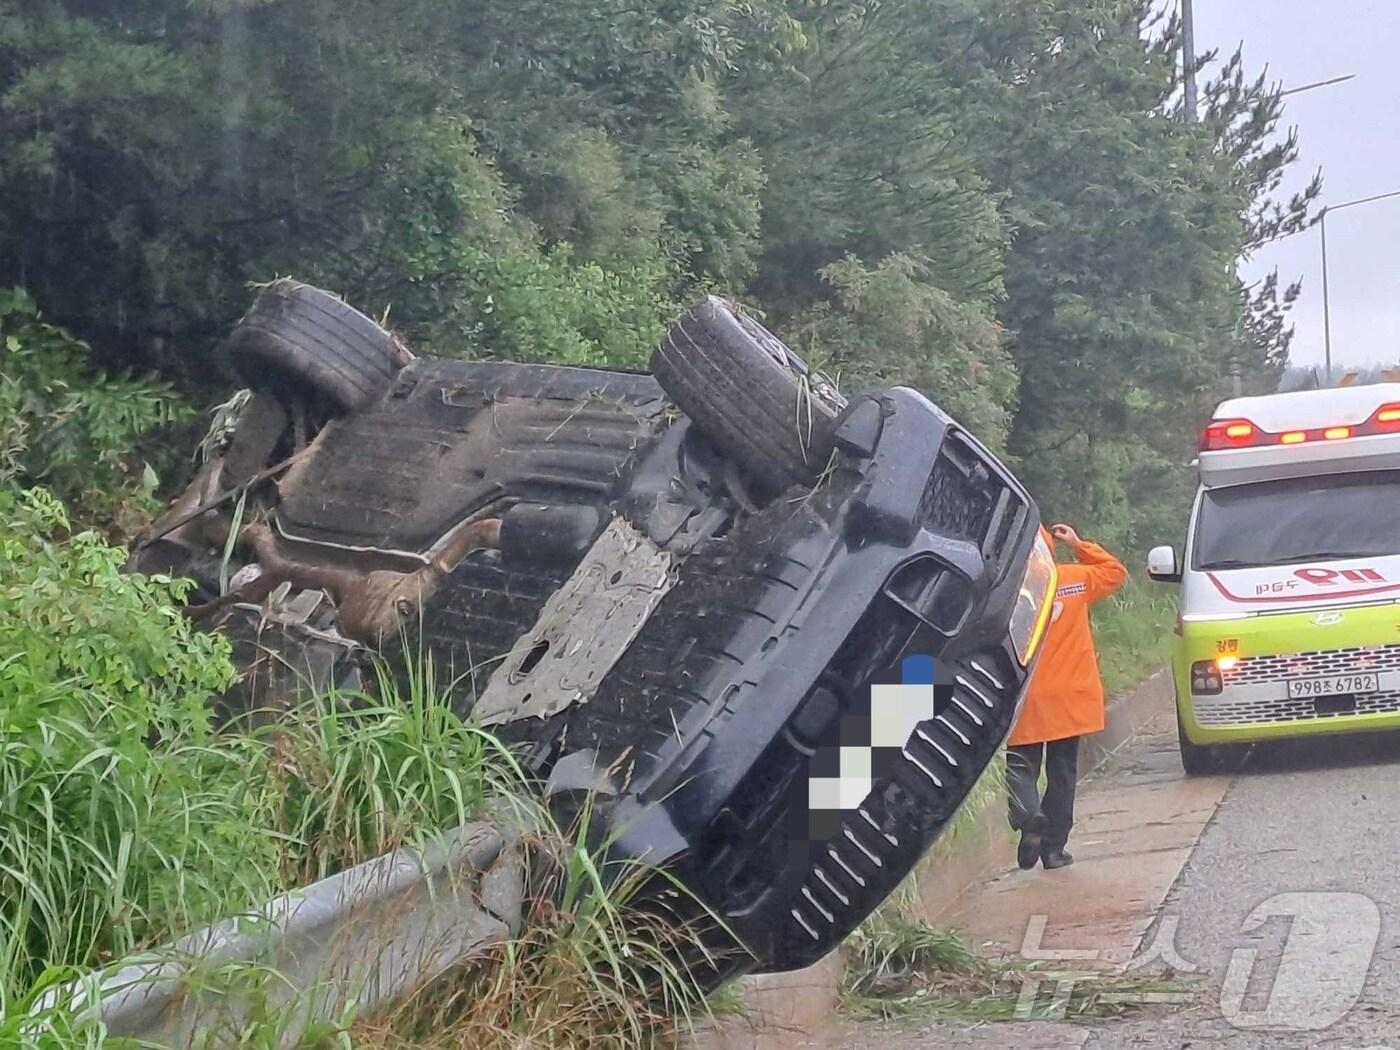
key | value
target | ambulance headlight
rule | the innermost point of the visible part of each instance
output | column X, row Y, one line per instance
column 1033, row 601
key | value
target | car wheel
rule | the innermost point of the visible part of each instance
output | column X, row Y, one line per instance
column 1200, row 759
column 299, row 336
column 750, row 394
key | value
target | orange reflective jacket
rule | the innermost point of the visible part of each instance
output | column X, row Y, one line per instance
column 1065, row 697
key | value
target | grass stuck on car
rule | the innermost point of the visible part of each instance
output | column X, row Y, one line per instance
column 769, row 636
column 1291, row 574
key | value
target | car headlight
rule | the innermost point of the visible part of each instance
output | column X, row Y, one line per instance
column 1034, row 600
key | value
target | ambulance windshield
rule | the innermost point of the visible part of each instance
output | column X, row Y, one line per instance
column 1329, row 517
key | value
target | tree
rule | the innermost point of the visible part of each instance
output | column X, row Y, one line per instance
column 74, row 429
column 1243, row 117
column 890, row 325
column 1123, row 309
column 165, row 154
column 994, row 200
column 865, row 157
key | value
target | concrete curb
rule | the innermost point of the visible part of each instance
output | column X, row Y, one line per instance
column 781, row 1006
column 348, row 944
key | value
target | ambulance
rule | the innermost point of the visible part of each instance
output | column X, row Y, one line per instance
column 1290, row 579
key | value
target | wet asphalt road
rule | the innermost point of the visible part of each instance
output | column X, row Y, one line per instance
column 1289, row 908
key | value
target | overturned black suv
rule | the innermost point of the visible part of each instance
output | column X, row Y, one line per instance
column 776, row 636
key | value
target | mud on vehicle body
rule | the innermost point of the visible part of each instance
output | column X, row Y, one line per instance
column 674, row 593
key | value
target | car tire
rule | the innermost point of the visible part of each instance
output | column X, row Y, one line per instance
column 299, row 336
column 1200, row 759
column 750, row 394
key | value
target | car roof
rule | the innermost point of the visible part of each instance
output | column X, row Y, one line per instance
column 1311, row 409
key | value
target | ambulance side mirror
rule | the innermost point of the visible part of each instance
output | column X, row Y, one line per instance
column 1163, row 565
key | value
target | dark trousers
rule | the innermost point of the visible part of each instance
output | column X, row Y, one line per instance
column 1052, row 816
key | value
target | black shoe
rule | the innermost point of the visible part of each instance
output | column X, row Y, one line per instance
column 1059, row 858
column 1028, row 851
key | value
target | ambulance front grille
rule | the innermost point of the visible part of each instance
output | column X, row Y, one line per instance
column 1226, row 712
column 1255, row 670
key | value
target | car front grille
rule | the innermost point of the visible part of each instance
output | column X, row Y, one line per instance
column 967, row 498
column 1255, row 691
column 960, row 496
column 1257, row 670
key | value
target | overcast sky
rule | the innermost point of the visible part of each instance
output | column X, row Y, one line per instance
column 1351, row 131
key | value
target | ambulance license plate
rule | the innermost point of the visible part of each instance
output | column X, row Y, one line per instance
column 1333, row 685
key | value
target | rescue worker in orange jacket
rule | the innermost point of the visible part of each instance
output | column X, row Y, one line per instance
column 1063, row 702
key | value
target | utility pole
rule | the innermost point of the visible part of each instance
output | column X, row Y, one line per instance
column 1188, row 59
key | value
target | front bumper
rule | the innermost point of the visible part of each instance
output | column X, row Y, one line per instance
column 911, row 567
column 1269, row 651
column 1260, row 732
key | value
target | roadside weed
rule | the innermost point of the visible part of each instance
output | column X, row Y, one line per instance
column 597, row 963
column 131, row 819
column 1132, row 633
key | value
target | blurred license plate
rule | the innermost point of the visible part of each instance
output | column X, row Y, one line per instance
column 1333, row 685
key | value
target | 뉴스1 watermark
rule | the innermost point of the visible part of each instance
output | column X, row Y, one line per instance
column 1322, row 972
column 1047, row 995
column 1319, row 978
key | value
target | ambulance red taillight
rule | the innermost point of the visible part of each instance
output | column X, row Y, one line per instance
column 1388, row 417
column 1223, row 435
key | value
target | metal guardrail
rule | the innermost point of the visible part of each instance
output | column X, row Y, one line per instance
column 342, row 947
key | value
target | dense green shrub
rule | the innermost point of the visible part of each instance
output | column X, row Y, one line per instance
column 891, row 325
column 71, row 428
column 118, row 814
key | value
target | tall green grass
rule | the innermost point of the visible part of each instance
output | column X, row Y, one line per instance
column 125, row 819
column 597, row 964
column 1133, row 632
column 120, row 815
column 346, row 777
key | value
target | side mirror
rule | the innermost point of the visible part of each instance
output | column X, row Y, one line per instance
column 1163, row 565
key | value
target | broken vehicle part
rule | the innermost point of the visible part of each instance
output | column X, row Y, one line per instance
column 582, row 631
column 372, row 605
column 287, row 646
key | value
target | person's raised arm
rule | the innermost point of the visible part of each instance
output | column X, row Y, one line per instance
column 1104, row 573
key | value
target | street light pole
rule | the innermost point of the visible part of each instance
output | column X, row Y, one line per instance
column 1326, row 305
column 1326, row 302
column 1320, row 83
